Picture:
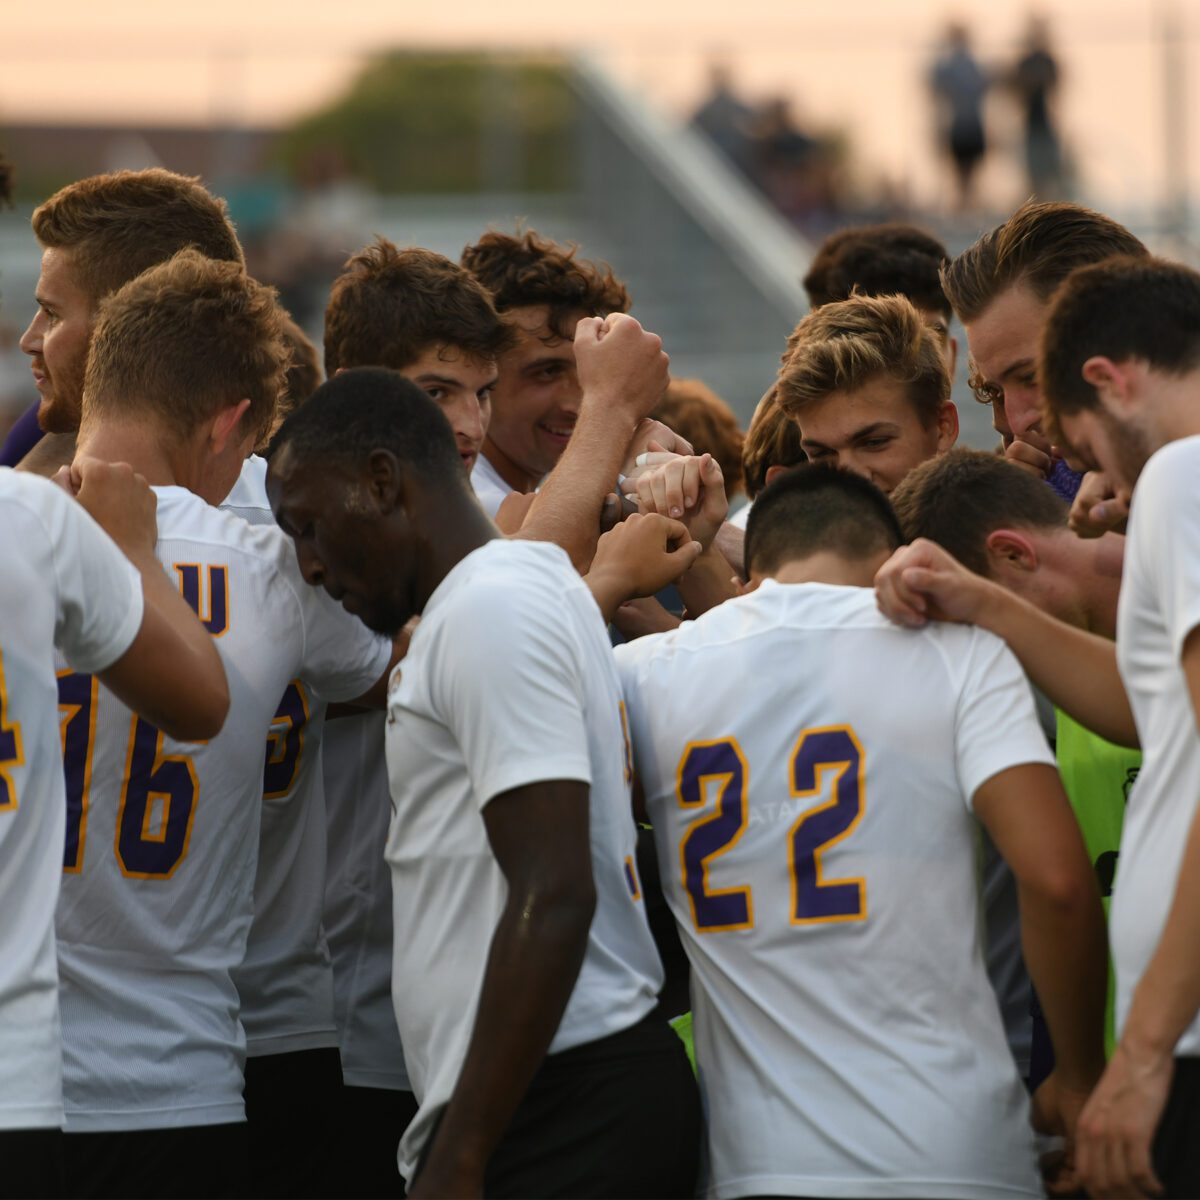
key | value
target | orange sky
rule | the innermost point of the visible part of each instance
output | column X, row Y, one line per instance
column 862, row 71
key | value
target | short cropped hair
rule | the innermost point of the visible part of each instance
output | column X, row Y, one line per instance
column 366, row 409
column 185, row 339
column 1126, row 308
column 879, row 260
column 843, row 346
column 115, row 226
column 1039, row 246
column 694, row 411
column 815, row 508
column 961, row 497
column 389, row 306
column 773, row 440
column 524, row 270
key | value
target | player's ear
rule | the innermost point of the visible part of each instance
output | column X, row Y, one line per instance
column 385, row 480
column 227, row 425
column 947, row 423
column 1010, row 551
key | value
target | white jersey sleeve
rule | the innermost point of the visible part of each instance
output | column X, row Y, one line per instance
column 490, row 490
column 64, row 584
column 534, row 729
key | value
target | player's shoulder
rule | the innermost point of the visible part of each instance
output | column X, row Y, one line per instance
column 508, row 576
column 32, row 494
column 1169, row 476
column 249, row 493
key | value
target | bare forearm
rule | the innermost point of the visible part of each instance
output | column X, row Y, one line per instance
column 708, row 583
column 1076, row 669
column 534, row 960
column 1065, row 946
column 568, row 505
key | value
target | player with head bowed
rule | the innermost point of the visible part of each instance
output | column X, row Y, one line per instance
column 866, row 381
column 818, row 845
column 97, row 234
column 1119, row 364
column 524, row 990
column 82, row 580
column 186, row 363
column 1001, row 289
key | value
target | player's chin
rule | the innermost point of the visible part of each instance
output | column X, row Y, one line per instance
column 53, row 416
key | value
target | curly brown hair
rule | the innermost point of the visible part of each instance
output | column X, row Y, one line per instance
column 389, row 306
column 524, row 270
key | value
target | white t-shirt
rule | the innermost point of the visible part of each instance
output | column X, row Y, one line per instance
column 358, row 903
column 285, row 981
column 157, row 902
column 509, row 681
column 66, row 585
column 1159, row 607
column 490, row 490
column 809, row 768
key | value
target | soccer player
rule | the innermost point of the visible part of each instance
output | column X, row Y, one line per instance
column 1006, row 525
column 1000, row 288
column 525, row 975
column 97, row 234
column 185, row 366
column 866, row 382
column 544, row 289
column 818, row 843
column 885, row 260
column 1120, row 364
column 67, row 586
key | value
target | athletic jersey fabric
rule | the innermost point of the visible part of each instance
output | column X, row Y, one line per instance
column 1098, row 777
column 22, row 436
column 285, row 981
column 820, row 855
column 490, row 490
column 509, row 680
column 358, row 903
column 66, row 585
column 1158, row 608
column 161, row 861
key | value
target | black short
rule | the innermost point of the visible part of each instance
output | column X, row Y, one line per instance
column 292, row 1102
column 619, row 1117
column 1177, row 1143
column 186, row 1163
column 31, row 1162
column 370, row 1123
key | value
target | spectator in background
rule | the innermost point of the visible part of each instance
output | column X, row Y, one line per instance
column 1035, row 79
column 6, row 177
column 725, row 119
column 886, row 260
column 695, row 412
column 959, row 85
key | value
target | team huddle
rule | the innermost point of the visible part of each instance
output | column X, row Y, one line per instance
column 419, row 782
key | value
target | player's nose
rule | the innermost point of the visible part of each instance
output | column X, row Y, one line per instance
column 311, row 566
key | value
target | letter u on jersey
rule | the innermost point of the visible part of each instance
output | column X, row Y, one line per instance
column 206, row 589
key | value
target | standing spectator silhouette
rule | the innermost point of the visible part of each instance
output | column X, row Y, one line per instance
column 725, row 119
column 959, row 85
column 1035, row 79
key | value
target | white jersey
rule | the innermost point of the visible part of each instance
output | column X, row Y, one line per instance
column 490, row 489
column 358, row 903
column 285, row 981
column 808, row 769
column 1158, row 608
column 157, row 900
column 509, row 680
column 64, row 584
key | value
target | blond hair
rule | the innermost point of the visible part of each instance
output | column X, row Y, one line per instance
column 841, row 347
column 184, row 340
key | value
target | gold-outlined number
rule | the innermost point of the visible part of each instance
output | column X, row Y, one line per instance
column 12, row 748
column 825, row 760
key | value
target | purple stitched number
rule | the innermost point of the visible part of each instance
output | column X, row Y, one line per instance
column 158, row 802
column 77, row 712
column 818, row 751
column 721, row 763
column 285, row 742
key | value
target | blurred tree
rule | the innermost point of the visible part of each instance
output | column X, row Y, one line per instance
column 414, row 122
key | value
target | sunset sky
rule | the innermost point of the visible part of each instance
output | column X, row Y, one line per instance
column 858, row 67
